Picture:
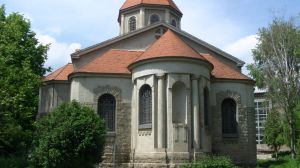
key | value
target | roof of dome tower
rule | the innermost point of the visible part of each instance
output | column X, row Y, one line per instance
column 132, row 3
column 169, row 45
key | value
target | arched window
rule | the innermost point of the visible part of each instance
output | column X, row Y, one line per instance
column 154, row 18
column 179, row 102
column 206, row 106
column 173, row 23
column 132, row 23
column 145, row 107
column 107, row 109
column 229, row 123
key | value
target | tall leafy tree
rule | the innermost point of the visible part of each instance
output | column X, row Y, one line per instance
column 22, row 60
column 276, row 67
column 274, row 135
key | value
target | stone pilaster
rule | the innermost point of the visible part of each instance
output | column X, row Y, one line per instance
column 122, row 24
column 142, row 18
column 196, row 116
column 161, row 111
column 167, row 16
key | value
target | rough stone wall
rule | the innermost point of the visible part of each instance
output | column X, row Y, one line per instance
column 117, row 149
column 241, row 149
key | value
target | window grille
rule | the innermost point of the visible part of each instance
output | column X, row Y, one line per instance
column 132, row 23
column 262, row 108
column 229, row 123
column 154, row 18
column 106, row 109
column 145, row 107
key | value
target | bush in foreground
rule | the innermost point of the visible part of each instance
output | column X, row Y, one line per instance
column 71, row 136
column 13, row 162
column 212, row 162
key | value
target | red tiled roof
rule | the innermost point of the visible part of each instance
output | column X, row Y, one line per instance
column 169, row 45
column 132, row 3
column 60, row 74
column 112, row 62
column 223, row 71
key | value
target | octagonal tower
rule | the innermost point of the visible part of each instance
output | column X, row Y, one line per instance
column 137, row 14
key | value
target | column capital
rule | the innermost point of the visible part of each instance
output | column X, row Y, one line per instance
column 160, row 76
column 195, row 77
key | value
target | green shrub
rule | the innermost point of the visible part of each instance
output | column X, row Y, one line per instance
column 212, row 162
column 13, row 162
column 71, row 136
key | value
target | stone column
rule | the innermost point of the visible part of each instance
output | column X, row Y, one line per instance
column 195, row 94
column 142, row 18
column 122, row 24
column 134, row 120
column 161, row 111
column 167, row 16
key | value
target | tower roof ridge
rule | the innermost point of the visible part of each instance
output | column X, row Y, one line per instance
column 131, row 3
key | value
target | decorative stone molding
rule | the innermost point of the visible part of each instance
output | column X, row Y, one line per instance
column 229, row 94
column 101, row 90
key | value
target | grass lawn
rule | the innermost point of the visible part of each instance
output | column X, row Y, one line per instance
column 284, row 161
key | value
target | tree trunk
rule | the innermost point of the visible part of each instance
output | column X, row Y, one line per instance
column 292, row 136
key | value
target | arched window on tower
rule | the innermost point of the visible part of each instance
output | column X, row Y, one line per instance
column 107, row 110
column 174, row 23
column 154, row 18
column 145, row 107
column 229, row 122
column 132, row 23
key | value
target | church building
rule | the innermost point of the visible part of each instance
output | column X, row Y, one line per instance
column 167, row 97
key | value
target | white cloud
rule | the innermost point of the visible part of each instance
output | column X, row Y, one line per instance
column 59, row 52
column 54, row 30
column 209, row 22
column 242, row 49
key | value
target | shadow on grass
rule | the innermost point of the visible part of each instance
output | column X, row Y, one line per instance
column 268, row 163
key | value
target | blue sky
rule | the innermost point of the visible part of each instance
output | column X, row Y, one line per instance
column 68, row 24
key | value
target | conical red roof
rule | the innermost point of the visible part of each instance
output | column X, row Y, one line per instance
column 132, row 3
column 169, row 45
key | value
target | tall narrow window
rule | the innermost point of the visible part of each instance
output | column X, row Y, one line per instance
column 132, row 23
column 229, row 123
column 106, row 109
column 145, row 107
column 206, row 106
column 179, row 103
column 154, row 18
column 173, row 23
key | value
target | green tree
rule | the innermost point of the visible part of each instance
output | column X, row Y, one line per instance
column 72, row 136
column 22, row 59
column 276, row 67
column 274, row 135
